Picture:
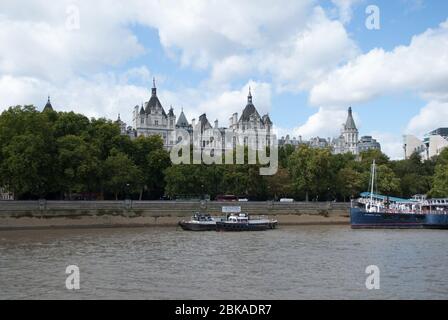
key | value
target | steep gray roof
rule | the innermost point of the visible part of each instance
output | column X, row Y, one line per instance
column 350, row 124
column 204, row 123
column 182, row 121
column 249, row 110
column 171, row 112
column 266, row 119
column 154, row 104
column 48, row 106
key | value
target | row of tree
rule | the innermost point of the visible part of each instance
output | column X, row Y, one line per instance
column 68, row 156
column 59, row 155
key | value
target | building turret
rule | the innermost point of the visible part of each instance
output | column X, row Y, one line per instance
column 350, row 134
column 154, row 88
column 48, row 106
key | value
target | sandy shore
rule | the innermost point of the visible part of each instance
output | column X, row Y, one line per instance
column 25, row 223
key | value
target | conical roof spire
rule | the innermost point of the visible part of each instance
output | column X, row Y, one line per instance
column 48, row 106
column 154, row 88
column 350, row 124
column 249, row 97
column 182, row 121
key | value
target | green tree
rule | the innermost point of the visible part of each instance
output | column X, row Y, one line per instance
column 349, row 183
column 121, row 174
column 26, row 165
column 284, row 152
column 279, row 185
column 440, row 181
column 78, row 164
column 27, row 152
column 415, row 175
column 310, row 171
column 70, row 123
column 152, row 160
column 386, row 181
column 367, row 157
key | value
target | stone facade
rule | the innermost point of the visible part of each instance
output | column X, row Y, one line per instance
column 151, row 119
column 347, row 142
column 250, row 123
column 368, row 143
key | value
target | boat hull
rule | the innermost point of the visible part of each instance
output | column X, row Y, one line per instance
column 237, row 226
column 436, row 221
column 360, row 219
column 189, row 226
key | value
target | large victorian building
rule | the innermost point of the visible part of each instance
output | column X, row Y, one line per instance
column 151, row 119
column 348, row 140
column 251, row 124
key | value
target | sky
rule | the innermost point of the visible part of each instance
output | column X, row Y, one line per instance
column 306, row 61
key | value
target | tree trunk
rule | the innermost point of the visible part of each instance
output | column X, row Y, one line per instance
column 307, row 198
column 141, row 195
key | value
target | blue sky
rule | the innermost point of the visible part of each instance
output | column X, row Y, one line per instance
column 307, row 61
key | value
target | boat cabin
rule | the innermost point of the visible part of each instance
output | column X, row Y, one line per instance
column 238, row 218
column 202, row 217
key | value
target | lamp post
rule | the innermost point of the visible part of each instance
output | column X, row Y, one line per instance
column 127, row 197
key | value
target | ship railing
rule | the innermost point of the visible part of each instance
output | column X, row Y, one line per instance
column 258, row 217
column 441, row 212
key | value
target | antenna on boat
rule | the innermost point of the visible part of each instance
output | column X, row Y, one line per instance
column 373, row 181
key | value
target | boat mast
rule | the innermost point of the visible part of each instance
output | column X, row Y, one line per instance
column 373, row 181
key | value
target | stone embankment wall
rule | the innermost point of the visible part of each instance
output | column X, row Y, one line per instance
column 96, row 214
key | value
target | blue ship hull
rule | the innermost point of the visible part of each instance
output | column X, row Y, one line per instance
column 360, row 219
column 436, row 221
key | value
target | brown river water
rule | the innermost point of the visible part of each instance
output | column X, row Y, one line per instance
column 309, row 262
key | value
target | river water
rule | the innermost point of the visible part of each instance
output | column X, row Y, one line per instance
column 317, row 262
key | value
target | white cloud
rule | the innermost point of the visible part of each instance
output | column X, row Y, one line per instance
column 296, row 61
column 207, row 32
column 327, row 122
column 345, row 8
column 218, row 104
column 102, row 95
column 422, row 66
column 293, row 41
column 430, row 117
column 38, row 43
column 309, row 55
column 295, row 44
